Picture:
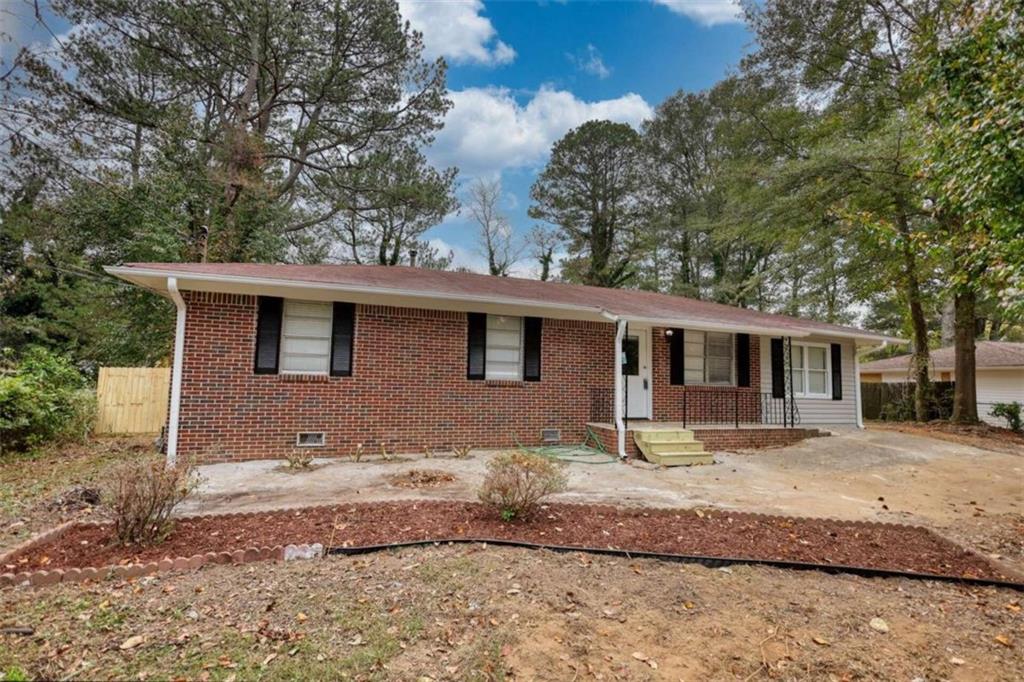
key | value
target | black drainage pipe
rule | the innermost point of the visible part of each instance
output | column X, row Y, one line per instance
column 708, row 561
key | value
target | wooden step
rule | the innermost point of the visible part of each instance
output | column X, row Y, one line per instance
column 664, row 435
column 684, row 459
column 675, row 447
column 668, row 448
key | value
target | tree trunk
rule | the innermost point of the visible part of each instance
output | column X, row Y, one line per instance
column 965, row 393
column 920, row 361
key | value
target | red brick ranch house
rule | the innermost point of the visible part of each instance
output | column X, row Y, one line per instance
column 269, row 358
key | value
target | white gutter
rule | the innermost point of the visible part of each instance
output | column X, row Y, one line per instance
column 703, row 325
column 856, row 389
column 179, row 357
column 620, row 427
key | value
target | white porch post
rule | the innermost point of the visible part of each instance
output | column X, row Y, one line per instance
column 179, row 357
column 856, row 387
column 620, row 427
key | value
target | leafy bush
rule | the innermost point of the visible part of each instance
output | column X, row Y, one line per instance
column 1011, row 413
column 143, row 493
column 42, row 397
column 517, row 481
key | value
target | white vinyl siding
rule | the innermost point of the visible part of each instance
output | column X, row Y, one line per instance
column 306, row 337
column 709, row 357
column 822, row 410
column 504, row 352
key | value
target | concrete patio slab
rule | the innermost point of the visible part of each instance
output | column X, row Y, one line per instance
column 870, row 475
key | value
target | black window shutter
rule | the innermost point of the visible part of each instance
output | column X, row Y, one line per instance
column 268, row 334
column 532, row 327
column 743, row 360
column 837, row 372
column 778, row 370
column 677, row 358
column 476, row 346
column 343, row 327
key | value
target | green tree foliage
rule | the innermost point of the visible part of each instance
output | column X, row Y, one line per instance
column 42, row 396
column 232, row 130
column 591, row 190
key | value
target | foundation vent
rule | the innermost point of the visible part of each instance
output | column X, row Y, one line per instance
column 309, row 439
column 551, row 435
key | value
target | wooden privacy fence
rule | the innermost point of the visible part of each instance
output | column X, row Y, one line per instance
column 896, row 400
column 132, row 399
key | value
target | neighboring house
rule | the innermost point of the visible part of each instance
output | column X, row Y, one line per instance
column 999, row 373
column 273, row 357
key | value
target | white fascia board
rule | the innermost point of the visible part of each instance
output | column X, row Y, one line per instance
column 240, row 284
column 704, row 325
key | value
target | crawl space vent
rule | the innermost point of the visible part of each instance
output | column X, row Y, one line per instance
column 551, row 435
column 309, row 439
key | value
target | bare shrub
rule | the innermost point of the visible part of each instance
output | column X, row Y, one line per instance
column 142, row 495
column 517, row 481
column 462, row 452
column 299, row 459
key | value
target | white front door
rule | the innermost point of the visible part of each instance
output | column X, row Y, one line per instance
column 636, row 369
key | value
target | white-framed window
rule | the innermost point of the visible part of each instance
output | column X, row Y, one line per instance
column 504, row 351
column 306, row 337
column 811, row 370
column 710, row 357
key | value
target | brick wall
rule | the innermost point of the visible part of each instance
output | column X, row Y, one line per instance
column 714, row 404
column 408, row 389
column 716, row 440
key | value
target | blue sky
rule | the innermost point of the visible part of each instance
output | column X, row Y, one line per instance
column 522, row 73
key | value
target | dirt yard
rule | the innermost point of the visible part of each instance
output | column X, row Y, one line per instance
column 471, row 612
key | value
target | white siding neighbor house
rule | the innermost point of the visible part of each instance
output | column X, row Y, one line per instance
column 1000, row 373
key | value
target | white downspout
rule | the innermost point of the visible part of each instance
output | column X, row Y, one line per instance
column 856, row 387
column 620, row 427
column 179, row 357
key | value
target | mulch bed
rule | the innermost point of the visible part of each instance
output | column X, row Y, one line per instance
column 704, row 532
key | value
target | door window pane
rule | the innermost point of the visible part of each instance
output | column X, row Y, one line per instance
column 631, row 349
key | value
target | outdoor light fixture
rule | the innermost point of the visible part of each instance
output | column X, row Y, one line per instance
column 668, row 332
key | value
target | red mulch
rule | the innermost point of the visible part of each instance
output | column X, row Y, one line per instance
column 709, row 533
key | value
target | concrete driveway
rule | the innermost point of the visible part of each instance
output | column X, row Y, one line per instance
column 870, row 475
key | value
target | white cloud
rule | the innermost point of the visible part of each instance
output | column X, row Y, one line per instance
column 590, row 61
column 707, row 12
column 487, row 130
column 456, row 30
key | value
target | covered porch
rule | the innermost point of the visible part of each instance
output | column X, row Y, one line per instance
column 681, row 392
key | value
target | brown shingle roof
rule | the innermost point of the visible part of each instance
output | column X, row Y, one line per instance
column 620, row 302
column 988, row 354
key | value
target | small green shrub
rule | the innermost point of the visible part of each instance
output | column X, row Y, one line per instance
column 142, row 494
column 516, row 482
column 43, row 397
column 1011, row 413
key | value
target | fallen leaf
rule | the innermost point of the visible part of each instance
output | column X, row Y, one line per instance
column 300, row 616
column 131, row 642
column 1004, row 640
column 879, row 625
column 820, row 640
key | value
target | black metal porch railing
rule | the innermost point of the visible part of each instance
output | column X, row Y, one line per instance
column 738, row 407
